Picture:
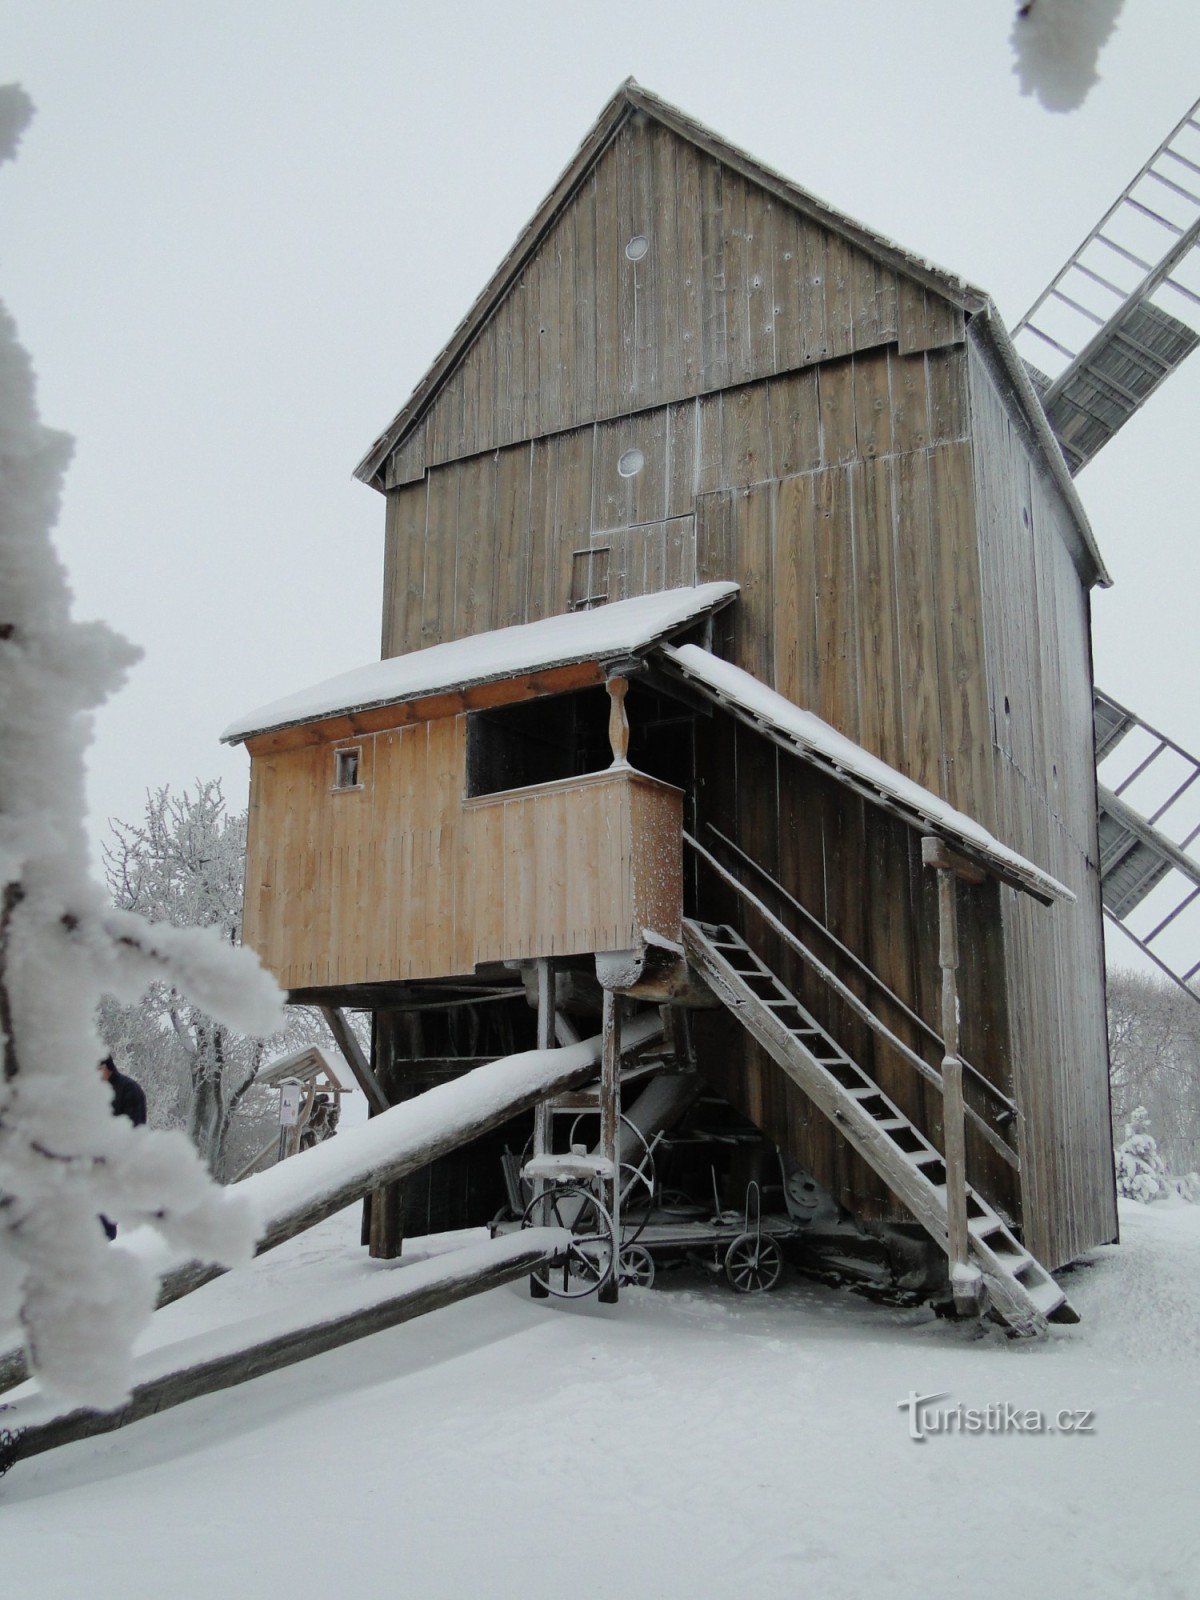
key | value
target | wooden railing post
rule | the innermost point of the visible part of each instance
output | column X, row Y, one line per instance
column 610, row 1118
column 542, row 1120
column 965, row 1282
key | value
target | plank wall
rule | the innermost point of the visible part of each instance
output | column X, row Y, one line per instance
column 735, row 284
column 1037, row 636
column 402, row 878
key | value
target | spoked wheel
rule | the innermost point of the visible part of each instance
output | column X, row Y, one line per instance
column 637, row 1175
column 588, row 1261
column 753, row 1263
column 637, row 1266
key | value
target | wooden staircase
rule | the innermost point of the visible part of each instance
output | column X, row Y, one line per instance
column 1020, row 1289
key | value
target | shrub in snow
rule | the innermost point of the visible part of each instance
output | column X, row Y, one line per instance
column 1141, row 1174
column 64, row 1158
column 1057, row 44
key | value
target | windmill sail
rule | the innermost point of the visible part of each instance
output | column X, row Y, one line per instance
column 1124, row 312
column 1149, row 791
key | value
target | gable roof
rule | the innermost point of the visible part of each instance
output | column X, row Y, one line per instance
column 629, row 99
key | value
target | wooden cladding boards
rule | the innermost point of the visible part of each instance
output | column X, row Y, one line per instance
column 735, row 284
column 489, row 542
column 1037, row 645
column 400, row 879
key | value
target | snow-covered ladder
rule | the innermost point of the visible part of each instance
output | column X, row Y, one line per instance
column 1021, row 1291
column 1124, row 311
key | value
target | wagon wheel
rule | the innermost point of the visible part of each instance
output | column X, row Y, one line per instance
column 753, row 1263
column 634, row 1175
column 637, row 1266
column 588, row 1260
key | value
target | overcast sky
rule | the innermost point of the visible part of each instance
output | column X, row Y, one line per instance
column 236, row 235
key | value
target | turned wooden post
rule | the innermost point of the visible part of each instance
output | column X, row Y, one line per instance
column 949, row 867
column 542, row 1120
column 610, row 1121
column 618, row 720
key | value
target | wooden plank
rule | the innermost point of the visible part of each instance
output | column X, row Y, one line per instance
column 796, row 665
column 795, row 423
column 835, row 395
column 872, row 404
column 836, row 603
column 881, row 728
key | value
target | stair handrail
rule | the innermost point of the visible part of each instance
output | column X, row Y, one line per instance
column 859, row 1007
column 918, row 1021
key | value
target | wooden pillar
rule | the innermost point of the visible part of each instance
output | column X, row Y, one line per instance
column 383, row 1208
column 610, row 1122
column 965, row 1282
column 542, row 1120
column 618, row 720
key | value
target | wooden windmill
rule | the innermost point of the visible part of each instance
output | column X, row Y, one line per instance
column 1121, row 315
column 736, row 666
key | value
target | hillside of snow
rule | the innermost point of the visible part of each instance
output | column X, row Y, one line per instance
column 687, row 1443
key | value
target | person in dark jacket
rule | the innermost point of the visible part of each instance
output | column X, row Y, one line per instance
column 128, row 1097
column 128, row 1100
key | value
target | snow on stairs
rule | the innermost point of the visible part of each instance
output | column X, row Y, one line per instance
column 1021, row 1291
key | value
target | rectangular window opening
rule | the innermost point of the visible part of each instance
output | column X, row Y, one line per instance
column 346, row 768
column 589, row 578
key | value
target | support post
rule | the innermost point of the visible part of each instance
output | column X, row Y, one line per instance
column 383, row 1208
column 610, row 1122
column 965, row 1282
column 542, row 1120
column 618, row 720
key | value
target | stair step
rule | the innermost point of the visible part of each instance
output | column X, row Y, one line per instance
column 1028, row 1293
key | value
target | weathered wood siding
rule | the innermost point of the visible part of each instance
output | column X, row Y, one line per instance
column 1037, row 638
column 403, row 878
column 735, row 284
column 837, row 499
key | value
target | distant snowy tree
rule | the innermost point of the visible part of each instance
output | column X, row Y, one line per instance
column 1154, row 1048
column 1057, row 44
column 64, row 1158
column 1141, row 1174
column 184, row 863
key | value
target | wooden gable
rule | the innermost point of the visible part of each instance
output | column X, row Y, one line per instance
column 664, row 265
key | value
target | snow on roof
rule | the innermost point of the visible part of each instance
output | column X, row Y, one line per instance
column 829, row 749
column 620, row 628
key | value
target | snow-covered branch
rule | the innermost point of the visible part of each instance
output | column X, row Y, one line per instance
column 64, row 1158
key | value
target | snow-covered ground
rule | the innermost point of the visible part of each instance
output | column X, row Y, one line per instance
column 686, row 1443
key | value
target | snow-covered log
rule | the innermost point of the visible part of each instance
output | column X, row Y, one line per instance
column 178, row 1372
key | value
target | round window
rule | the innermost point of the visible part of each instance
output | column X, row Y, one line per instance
column 631, row 463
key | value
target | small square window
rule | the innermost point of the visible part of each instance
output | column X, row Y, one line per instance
column 345, row 768
column 589, row 578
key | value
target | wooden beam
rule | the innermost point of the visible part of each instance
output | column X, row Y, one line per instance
column 418, row 1290
column 610, row 1123
column 344, row 1036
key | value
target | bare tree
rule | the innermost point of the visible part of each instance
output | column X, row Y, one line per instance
column 1154, row 1043
column 184, row 863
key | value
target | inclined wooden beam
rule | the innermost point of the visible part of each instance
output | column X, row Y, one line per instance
column 408, row 1292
